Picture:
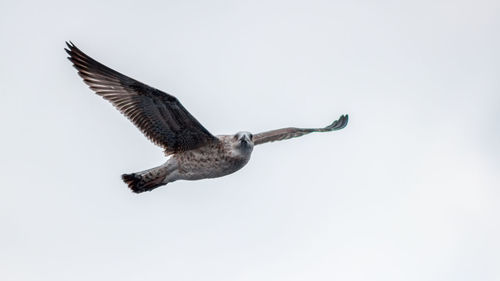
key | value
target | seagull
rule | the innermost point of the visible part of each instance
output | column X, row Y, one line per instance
column 193, row 152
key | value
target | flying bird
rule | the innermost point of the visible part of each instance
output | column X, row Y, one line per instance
column 194, row 152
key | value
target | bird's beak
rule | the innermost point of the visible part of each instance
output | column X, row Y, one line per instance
column 245, row 139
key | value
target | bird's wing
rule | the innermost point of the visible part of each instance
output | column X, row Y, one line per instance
column 287, row 133
column 160, row 116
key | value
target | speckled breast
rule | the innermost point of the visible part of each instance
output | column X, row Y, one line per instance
column 210, row 162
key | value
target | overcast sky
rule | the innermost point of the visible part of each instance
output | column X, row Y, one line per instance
column 409, row 190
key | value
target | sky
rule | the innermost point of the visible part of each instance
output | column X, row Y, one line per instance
column 409, row 190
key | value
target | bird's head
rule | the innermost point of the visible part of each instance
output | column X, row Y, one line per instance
column 243, row 140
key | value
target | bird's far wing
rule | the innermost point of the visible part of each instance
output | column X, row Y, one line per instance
column 160, row 116
column 287, row 133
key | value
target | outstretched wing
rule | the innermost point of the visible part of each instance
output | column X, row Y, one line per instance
column 288, row 133
column 160, row 116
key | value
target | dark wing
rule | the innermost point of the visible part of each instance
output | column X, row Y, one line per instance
column 288, row 133
column 160, row 116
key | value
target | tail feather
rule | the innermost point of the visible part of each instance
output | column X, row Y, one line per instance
column 144, row 181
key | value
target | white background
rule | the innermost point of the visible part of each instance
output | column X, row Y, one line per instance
column 408, row 191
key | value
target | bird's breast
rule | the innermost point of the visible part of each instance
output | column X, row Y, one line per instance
column 209, row 163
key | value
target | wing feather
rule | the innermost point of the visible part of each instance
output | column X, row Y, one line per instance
column 288, row 133
column 160, row 116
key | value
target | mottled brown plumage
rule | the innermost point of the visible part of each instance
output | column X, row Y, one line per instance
column 196, row 154
column 160, row 116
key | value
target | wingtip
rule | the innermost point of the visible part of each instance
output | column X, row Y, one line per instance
column 70, row 47
column 344, row 120
column 70, row 44
column 346, row 117
column 339, row 123
column 69, row 50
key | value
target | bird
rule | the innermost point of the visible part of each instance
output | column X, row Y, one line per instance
column 192, row 152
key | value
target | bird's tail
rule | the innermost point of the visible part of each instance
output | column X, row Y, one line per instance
column 146, row 180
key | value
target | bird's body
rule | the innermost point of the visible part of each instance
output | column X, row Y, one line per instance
column 195, row 153
column 214, row 160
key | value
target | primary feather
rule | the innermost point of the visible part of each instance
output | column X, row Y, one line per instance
column 160, row 116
